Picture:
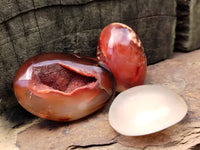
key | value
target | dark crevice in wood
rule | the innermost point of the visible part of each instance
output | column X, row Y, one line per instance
column 182, row 26
column 137, row 7
column 196, row 147
column 12, row 42
column 120, row 8
column 21, row 17
column 3, row 62
column 154, row 16
column 62, row 37
column 100, row 17
column 72, row 147
column 41, row 45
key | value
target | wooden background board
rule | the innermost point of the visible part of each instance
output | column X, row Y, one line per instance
column 30, row 27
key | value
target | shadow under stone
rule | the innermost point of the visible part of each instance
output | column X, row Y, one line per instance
column 18, row 116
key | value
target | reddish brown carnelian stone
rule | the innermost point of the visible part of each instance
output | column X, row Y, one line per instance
column 120, row 49
column 62, row 87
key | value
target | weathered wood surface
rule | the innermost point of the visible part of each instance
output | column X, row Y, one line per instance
column 30, row 27
column 188, row 25
column 180, row 74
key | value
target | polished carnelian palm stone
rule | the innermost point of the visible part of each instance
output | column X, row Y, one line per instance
column 62, row 87
column 120, row 49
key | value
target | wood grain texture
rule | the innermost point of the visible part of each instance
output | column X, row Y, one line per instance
column 30, row 27
column 188, row 29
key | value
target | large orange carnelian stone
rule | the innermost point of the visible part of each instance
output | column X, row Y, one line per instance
column 62, row 87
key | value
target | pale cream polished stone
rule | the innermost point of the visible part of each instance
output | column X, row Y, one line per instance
column 146, row 109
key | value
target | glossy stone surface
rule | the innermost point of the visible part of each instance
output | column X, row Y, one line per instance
column 146, row 109
column 120, row 49
column 62, row 87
